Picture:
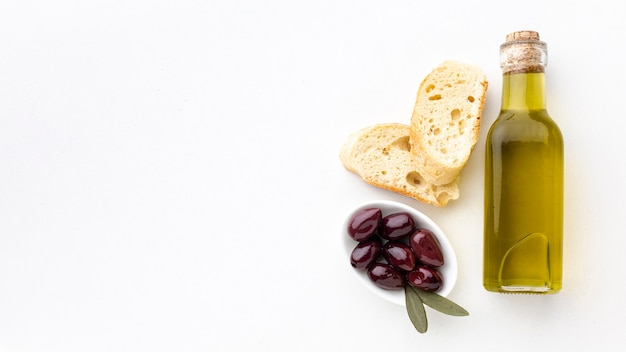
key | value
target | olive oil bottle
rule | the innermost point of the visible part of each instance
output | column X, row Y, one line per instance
column 523, row 228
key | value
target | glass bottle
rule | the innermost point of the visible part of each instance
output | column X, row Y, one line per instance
column 523, row 229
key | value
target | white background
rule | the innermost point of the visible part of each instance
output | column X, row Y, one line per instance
column 169, row 178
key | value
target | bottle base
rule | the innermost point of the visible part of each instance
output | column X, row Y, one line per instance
column 520, row 289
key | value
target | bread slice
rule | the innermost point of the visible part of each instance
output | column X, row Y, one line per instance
column 446, row 119
column 423, row 160
column 381, row 155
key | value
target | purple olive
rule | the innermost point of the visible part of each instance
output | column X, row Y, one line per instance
column 426, row 247
column 385, row 276
column 365, row 253
column 396, row 226
column 364, row 224
column 399, row 255
column 425, row 278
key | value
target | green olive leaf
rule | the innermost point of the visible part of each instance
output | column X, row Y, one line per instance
column 440, row 303
column 415, row 309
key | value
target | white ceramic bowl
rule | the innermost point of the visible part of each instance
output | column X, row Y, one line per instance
column 448, row 271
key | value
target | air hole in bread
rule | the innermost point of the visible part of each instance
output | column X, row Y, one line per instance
column 443, row 197
column 435, row 97
column 429, row 88
column 383, row 172
column 455, row 114
column 461, row 81
column 437, row 131
column 470, row 99
column 401, row 143
column 414, row 179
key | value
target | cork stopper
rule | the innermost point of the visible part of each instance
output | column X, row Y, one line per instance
column 522, row 35
column 523, row 52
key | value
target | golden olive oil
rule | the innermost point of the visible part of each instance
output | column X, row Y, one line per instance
column 523, row 234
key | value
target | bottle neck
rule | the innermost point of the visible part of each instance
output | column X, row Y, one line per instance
column 523, row 91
